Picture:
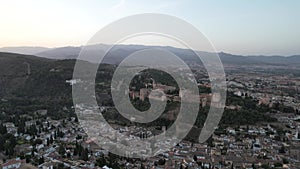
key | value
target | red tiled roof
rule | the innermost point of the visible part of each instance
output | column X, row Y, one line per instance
column 11, row 162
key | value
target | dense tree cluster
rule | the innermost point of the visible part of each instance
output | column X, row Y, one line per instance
column 7, row 141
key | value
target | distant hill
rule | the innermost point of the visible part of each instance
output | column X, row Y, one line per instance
column 60, row 53
column 30, row 83
column 37, row 80
column 119, row 52
column 24, row 50
column 15, row 70
column 260, row 60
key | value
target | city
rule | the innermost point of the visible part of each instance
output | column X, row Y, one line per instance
column 129, row 84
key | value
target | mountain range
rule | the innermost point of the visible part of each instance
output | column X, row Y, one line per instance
column 119, row 52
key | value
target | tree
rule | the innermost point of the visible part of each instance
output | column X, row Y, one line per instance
column 41, row 160
column 76, row 119
column 85, row 154
column 21, row 127
column 161, row 161
column 75, row 152
column 61, row 150
column 285, row 161
column 282, row 149
column 101, row 161
column 3, row 129
column 210, row 141
column 48, row 141
column 51, row 139
column 32, row 152
column 278, row 165
column 195, row 158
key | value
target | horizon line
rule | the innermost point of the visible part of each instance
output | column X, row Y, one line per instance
column 79, row 46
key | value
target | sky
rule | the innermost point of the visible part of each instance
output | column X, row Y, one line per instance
column 248, row 27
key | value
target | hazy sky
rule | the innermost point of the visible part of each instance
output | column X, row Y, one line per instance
column 235, row 26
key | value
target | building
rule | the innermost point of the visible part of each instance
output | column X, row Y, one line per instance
column 144, row 92
column 13, row 164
